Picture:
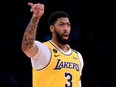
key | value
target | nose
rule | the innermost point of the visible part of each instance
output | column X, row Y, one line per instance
column 67, row 27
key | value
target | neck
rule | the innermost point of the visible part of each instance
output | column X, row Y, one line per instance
column 63, row 47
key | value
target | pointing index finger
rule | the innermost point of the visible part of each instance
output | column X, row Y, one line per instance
column 30, row 4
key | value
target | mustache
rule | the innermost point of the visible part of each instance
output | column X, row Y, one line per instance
column 67, row 33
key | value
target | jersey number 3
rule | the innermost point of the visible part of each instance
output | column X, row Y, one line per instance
column 69, row 80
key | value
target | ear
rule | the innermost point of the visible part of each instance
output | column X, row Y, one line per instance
column 51, row 28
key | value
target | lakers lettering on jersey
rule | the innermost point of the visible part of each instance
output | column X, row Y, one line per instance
column 62, row 64
column 63, row 70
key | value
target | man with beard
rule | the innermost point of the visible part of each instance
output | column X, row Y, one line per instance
column 54, row 63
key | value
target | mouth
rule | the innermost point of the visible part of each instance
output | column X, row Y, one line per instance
column 65, row 35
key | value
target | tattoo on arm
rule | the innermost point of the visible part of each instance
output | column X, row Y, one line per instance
column 30, row 34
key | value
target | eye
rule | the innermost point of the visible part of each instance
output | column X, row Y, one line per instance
column 61, row 24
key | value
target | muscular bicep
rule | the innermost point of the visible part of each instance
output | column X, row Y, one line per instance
column 32, row 51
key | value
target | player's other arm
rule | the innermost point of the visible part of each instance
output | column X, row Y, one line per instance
column 81, row 67
column 28, row 45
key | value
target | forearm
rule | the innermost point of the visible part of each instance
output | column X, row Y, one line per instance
column 28, row 46
column 30, row 34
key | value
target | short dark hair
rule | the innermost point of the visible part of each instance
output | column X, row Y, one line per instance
column 54, row 16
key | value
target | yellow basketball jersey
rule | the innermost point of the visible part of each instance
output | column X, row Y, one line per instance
column 62, row 70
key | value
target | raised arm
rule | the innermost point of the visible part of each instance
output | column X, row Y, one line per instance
column 28, row 46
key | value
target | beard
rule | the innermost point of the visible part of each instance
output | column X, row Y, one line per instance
column 60, row 38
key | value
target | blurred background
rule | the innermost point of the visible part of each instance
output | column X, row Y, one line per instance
column 93, row 35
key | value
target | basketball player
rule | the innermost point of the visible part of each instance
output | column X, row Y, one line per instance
column 54, row 63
